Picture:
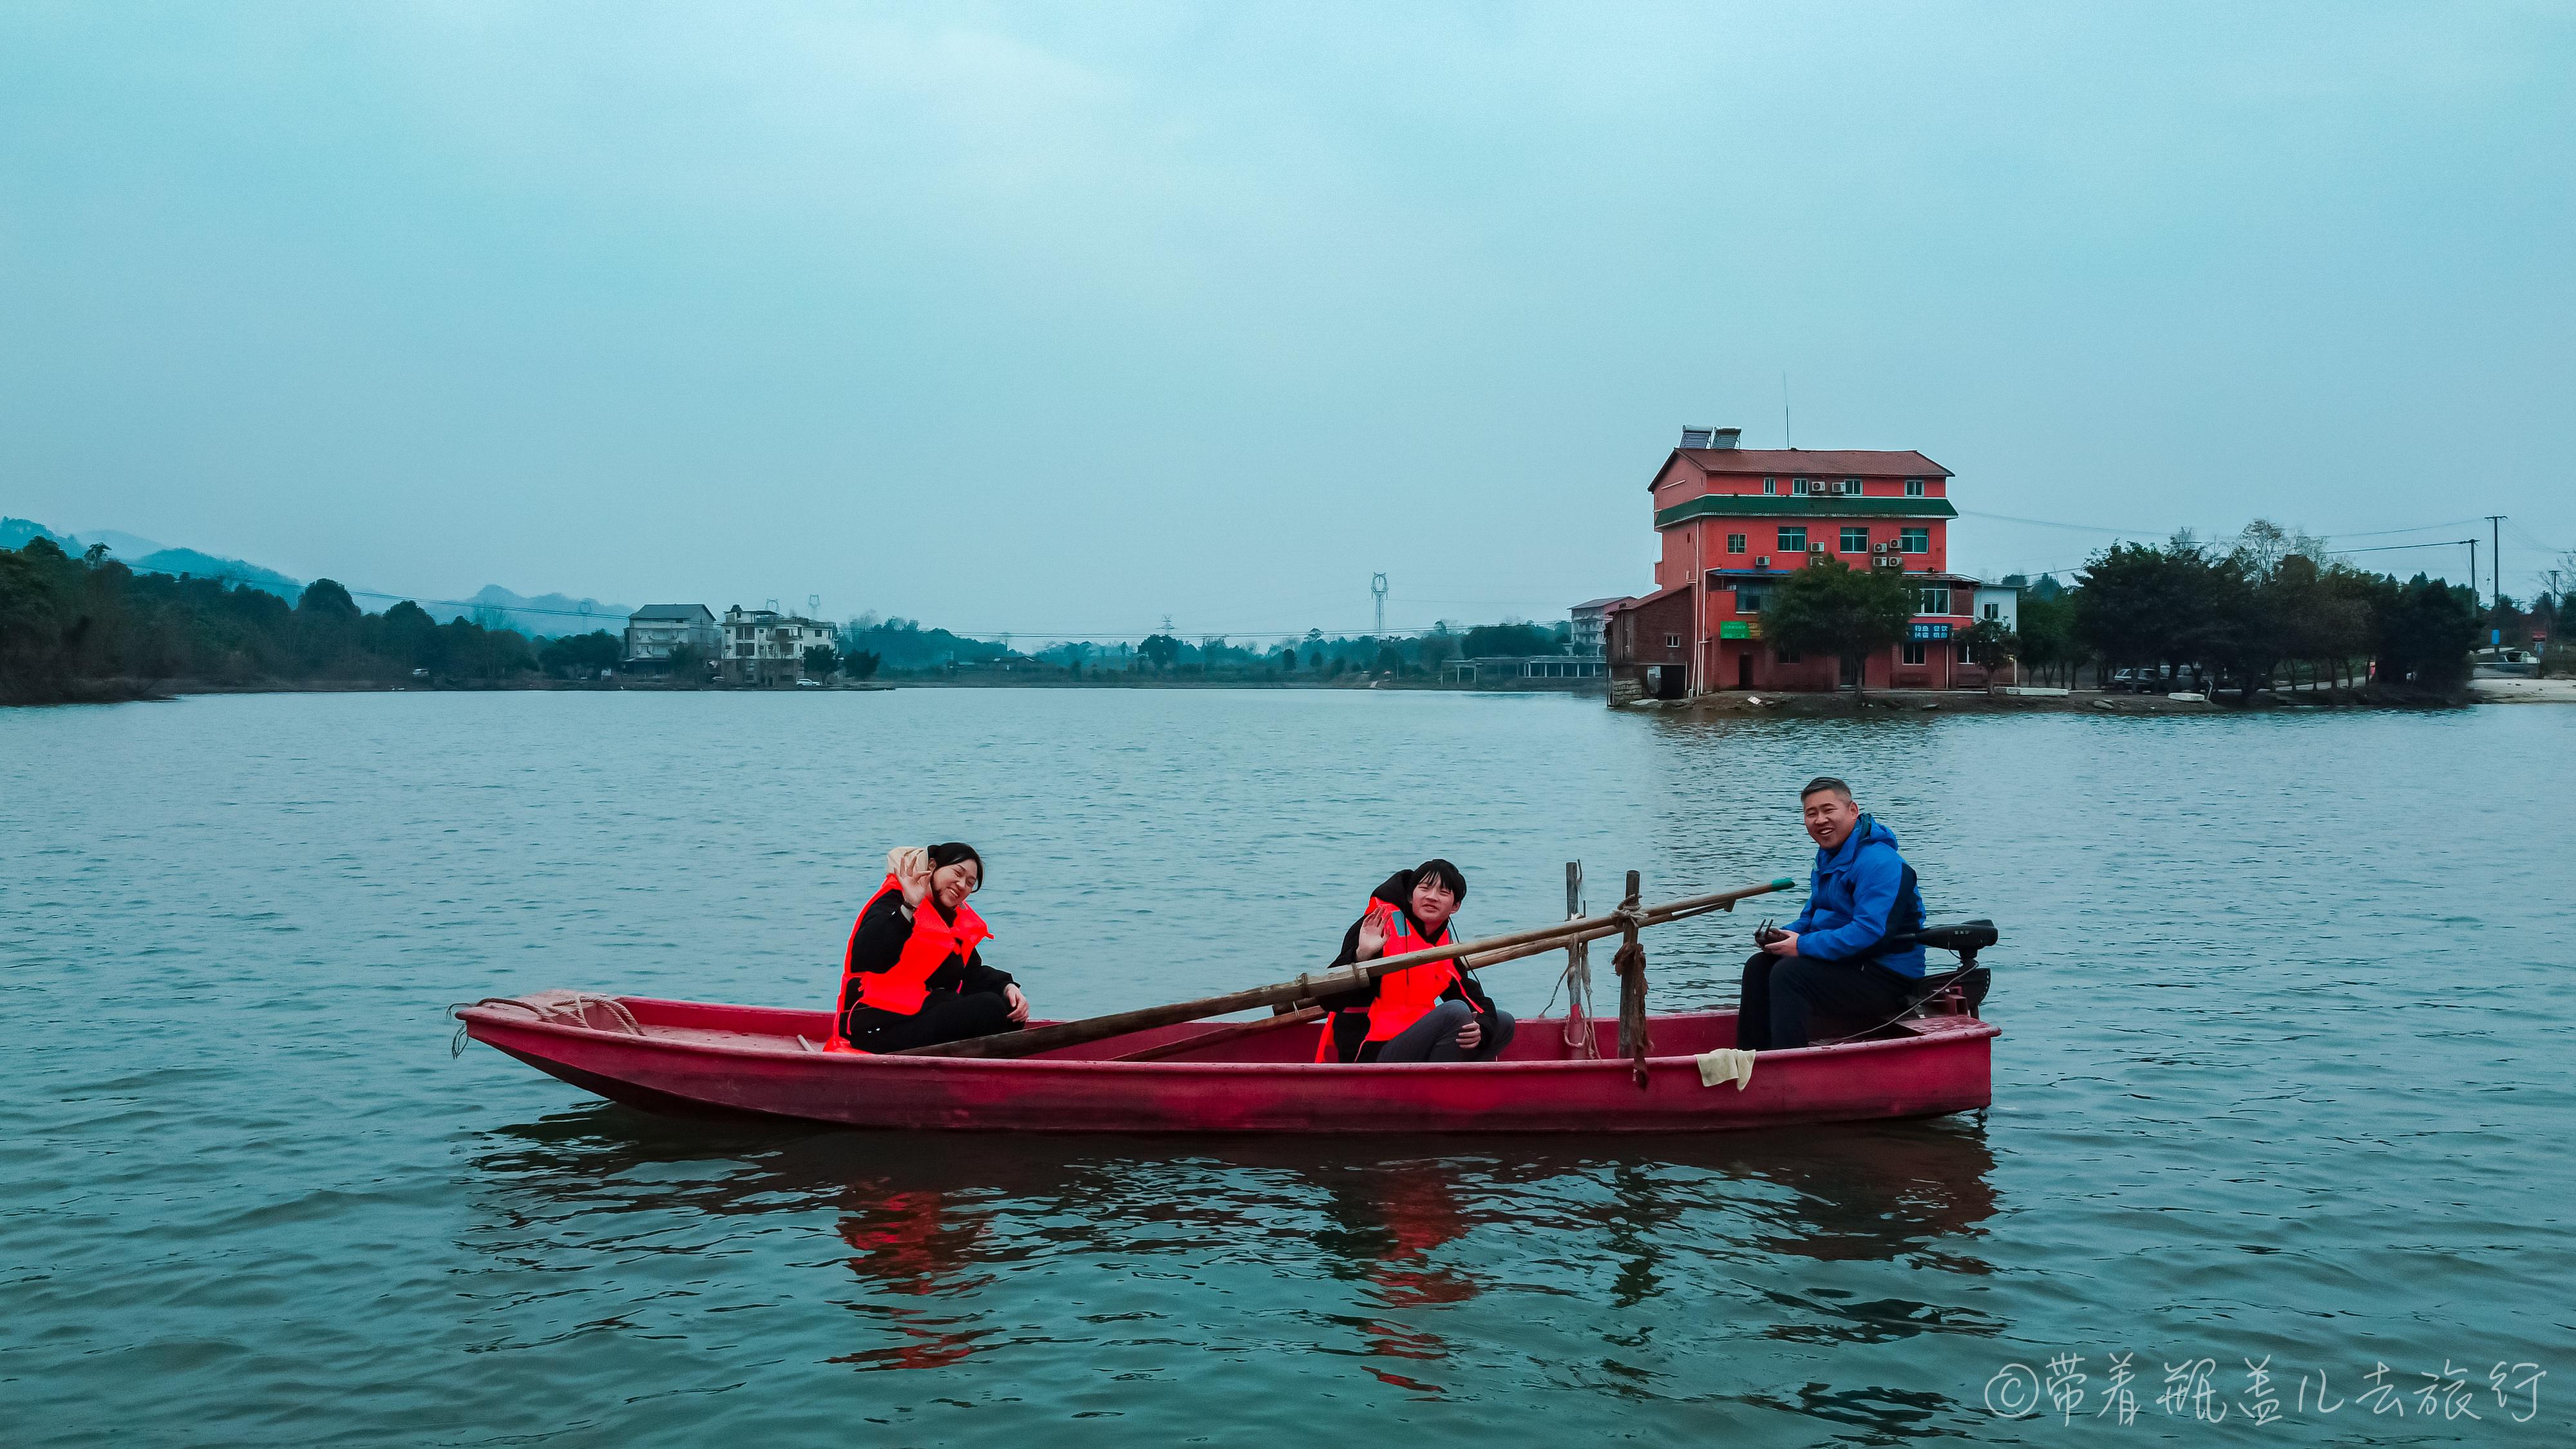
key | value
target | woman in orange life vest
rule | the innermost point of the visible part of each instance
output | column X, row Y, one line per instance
column 912, row 975
column 1428, row 1013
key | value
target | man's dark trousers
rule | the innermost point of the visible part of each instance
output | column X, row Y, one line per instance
column 1779, row 992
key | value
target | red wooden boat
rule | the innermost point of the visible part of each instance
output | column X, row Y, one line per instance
column 695, row 1057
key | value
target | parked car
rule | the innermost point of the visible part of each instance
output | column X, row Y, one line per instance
column 2145, row 681
column 809, row 684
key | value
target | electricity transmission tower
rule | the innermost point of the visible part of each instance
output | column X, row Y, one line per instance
column 1377, row 590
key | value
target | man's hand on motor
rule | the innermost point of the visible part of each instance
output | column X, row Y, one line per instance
column 1783, row 944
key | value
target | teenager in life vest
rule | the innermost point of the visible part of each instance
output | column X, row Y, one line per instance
column 912, row 975
column 1427, row 1013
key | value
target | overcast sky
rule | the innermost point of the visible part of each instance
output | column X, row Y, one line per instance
column 1061, row 319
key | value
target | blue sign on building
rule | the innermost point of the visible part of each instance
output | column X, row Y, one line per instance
column 1931, row 631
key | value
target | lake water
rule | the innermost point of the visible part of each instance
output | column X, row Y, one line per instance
column 2284, row 1078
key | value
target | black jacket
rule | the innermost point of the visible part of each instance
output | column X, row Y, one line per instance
column 1350, row 1008
column 879, row 942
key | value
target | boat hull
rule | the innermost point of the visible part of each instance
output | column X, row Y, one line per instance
column 694, row 1058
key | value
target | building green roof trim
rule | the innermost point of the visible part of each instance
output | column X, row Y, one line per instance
column 1764, row 505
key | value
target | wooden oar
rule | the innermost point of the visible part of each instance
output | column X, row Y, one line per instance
column 1218, row 1036
column 1310, row 987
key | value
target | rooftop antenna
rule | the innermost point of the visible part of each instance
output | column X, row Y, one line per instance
column 813, row 606
column 1784, row 411
column 1377, row 590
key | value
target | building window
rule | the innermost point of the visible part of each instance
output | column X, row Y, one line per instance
column 1793, row 540
column 1995, row 612
column 1797, row 486
column 1672, row 641
column 1749, row 601
column 1735, row 543
column 1932, row 599
column 1856, row 540
column 1770, row 485
column 1914, row 540
column 1851, row 486
column 1784, row 656
column 1963, row 655
column 1913, row 487
column 1913, row 654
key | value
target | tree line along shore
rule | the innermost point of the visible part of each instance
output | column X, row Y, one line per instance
column 87, row 627
column 2269, row 609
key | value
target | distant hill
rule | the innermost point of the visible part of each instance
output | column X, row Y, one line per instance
column 127, row 546
column 493, row 606
column 543, row 615
column 206, row 566
column 20, row 532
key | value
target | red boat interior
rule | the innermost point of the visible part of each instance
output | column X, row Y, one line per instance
column 1540, row 1039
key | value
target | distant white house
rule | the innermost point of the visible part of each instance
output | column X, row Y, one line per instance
column 2000, row 603
column 1589, row 617
column 763, row 646
column 653, row 631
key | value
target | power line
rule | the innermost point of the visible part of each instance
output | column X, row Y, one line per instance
column 2395, row 547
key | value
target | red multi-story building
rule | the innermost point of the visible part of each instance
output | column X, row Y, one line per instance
column 1735, row 521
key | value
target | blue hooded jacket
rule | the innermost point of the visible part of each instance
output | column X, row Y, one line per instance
column 1858, row 896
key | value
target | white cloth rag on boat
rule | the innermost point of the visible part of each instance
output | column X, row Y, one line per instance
column 1726, row 1064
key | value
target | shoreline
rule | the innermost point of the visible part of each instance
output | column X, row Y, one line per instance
column 1728, row 702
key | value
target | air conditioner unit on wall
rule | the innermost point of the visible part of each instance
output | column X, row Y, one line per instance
column 1816, row 548
column 1762, row 562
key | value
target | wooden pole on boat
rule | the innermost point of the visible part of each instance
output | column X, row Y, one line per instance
column 1578, row 975
column 1309, row 987
column 1631, row 961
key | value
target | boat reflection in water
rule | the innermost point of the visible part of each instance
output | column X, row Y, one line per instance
column 964, row 1246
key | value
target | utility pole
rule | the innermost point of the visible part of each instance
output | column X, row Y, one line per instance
column 2473, row 563
column 2495, row 560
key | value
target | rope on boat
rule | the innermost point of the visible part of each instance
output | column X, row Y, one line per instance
column 1630, row 962
column 572, row 1008
column 1580, row 1042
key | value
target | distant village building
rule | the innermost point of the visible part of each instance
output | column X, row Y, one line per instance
column 1523, row 671
column 653, row 631
column 1590, row 618
column 1734, row 521
column 763, row 646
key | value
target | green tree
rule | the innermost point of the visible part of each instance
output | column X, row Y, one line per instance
column 2424, row 630
column 1160, row 652
column 1829, row 607
column 822, row 661
column 688, row 665
column 582, row 656
column 1990, row 645
column 1510, row 638
column 862, row 665
column 2048, row 635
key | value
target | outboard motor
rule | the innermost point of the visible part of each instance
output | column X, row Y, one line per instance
column 1959, row 992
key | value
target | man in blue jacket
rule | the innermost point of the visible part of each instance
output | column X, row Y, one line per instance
column 1834, row 957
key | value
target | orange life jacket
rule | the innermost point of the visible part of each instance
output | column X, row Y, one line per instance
column 1404, row 996
column 902, row 987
